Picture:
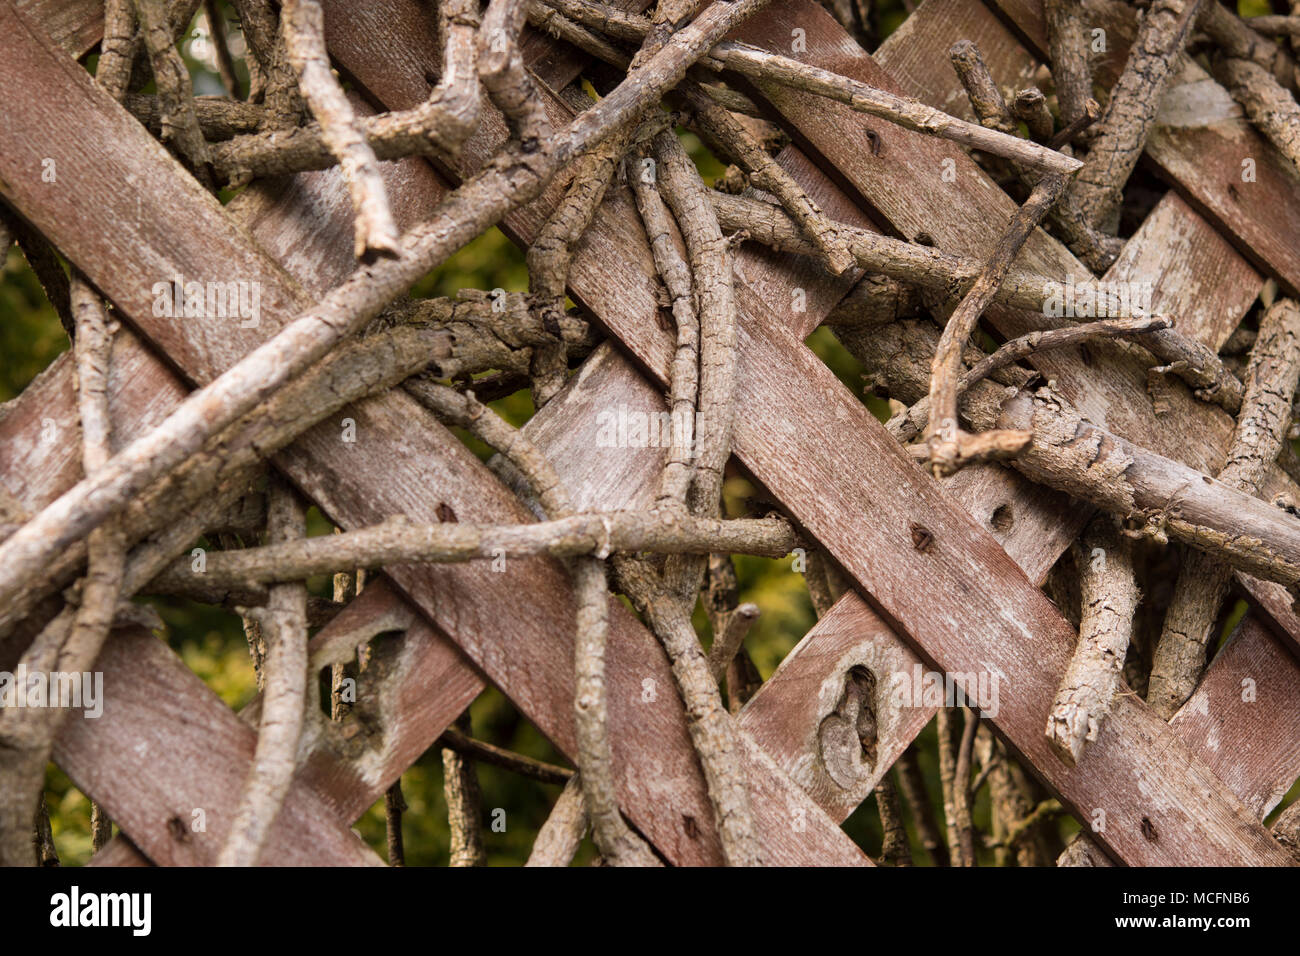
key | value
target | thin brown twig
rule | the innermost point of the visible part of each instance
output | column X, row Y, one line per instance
column 454, row 739
column 221, row 48
column 284, row 626
column 950, row 447
column 303, row 25
column 1120, row 135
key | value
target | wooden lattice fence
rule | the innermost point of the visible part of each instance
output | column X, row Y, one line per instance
column 1192, row 791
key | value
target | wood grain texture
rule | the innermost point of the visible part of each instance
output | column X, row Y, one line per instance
column 163, row 755
column 1244, row 718
column 76, row 25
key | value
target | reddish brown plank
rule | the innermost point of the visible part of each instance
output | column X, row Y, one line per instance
column 177, row 757
column 76, row 25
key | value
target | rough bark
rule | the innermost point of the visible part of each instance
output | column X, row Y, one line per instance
column 1109, row 600
column 303, row 23
column 1203, row 581
column 1121, row 134
column 464, row 805
column 284, row 625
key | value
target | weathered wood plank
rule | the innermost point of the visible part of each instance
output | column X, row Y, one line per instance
column 177, row 758
column 76, row 25
column 1244, row 718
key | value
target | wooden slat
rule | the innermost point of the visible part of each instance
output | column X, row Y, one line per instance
column 1198, row 143
column 76, row 25
column 177, row 750
column 1244, row 718
column 524, row 653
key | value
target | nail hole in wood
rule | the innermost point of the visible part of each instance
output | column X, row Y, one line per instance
column 922, row 538
column 1002, row 518
column 692, row 828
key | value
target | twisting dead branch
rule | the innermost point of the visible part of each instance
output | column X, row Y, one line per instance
column 1110, row 598
column 679, row 468
column 118, row 48
column 1068, row 51
column 950, row 446
column 501, row 68
column 551, row 252
column 1203, row 580
column 558, row 840
column 767, row 174
column 908, row 424
column 272, row 79
column 712, row 730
